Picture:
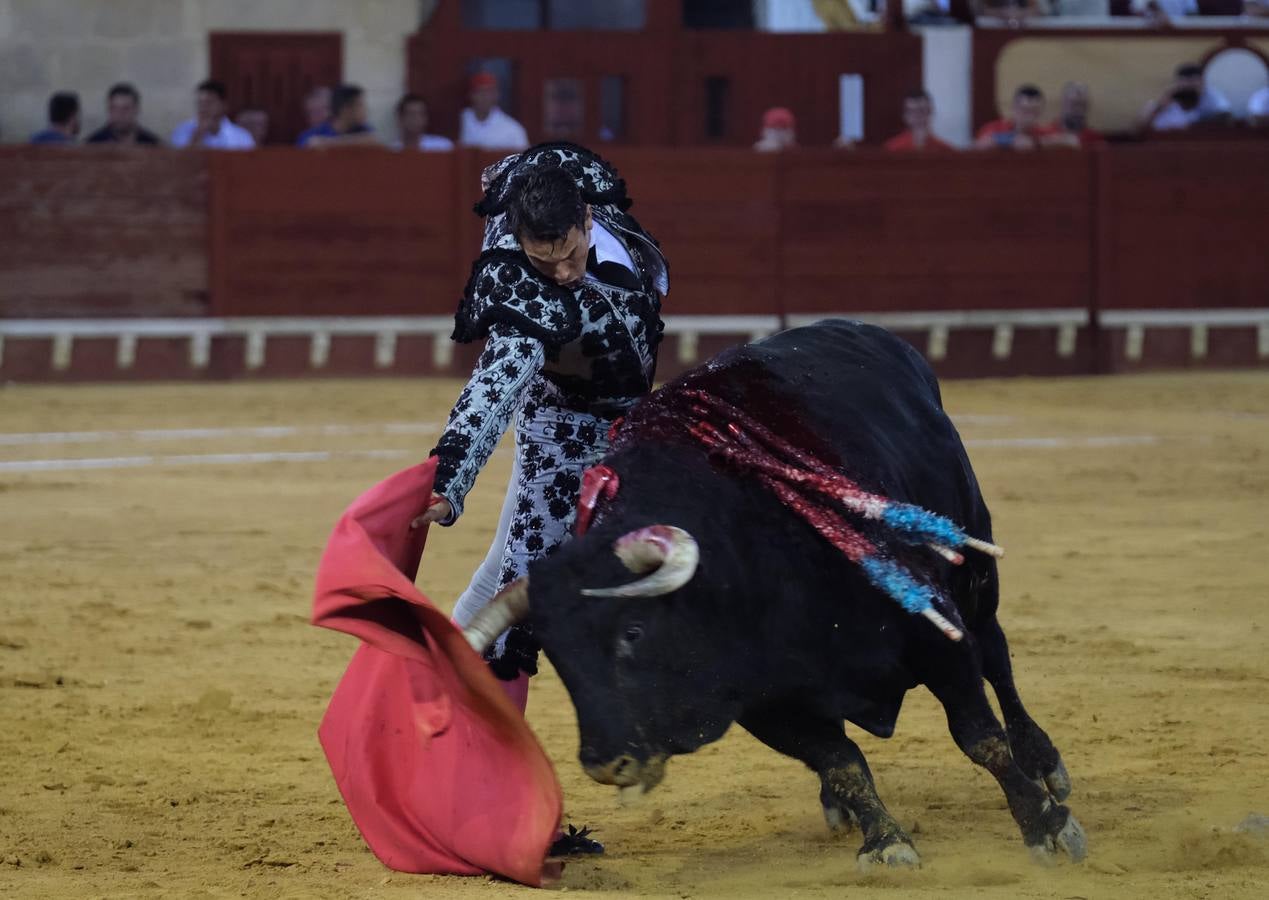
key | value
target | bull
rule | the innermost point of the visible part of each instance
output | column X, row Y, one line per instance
column 742, row 612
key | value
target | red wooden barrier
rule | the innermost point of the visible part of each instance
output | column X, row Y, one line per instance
column 1184, row 254
column 354, row 230
column 102, row 231
column 717, row 216
column 990, row 264
column 871, row 231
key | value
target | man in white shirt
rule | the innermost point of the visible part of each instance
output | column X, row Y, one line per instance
column 412, row 125
column 1187, row 101
column 486, row 126
column 210, row 127
column 1161, row 13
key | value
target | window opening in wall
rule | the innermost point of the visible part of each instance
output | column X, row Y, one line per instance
column 562, row 15
column 502, row 15
column 563, row 108
column 717, row 94
column 612, row 108
column 718, row 13
column 605, row 15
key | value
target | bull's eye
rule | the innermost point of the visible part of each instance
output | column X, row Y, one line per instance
column 631, row 634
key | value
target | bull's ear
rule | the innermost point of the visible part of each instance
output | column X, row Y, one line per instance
column 509, row 606
column 666, row 556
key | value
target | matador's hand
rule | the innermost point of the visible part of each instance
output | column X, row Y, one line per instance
column 438, row 509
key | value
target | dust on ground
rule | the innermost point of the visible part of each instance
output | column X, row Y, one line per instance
column 160, row 689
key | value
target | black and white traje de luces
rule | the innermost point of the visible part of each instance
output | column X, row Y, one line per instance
column 563, row 362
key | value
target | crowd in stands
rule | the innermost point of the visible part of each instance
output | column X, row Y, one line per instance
column 1187, row 102
column 336, row 116
column 1020, row 13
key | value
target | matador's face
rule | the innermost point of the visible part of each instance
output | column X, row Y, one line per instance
column 564, row 260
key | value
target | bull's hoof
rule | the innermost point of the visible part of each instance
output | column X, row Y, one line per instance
column 1068, row 839
column 1058, row 782
column 897, row 853
column 891, row 848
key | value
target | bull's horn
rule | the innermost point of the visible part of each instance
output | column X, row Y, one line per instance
column 509, row 606
column 667, row 554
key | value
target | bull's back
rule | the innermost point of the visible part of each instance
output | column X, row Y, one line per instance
column 864, row 400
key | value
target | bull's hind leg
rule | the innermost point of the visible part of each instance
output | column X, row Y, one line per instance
column 1031, row 747
column 1047, row 826
column 846, row 784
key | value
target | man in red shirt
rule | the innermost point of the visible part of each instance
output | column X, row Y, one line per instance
column 1022, row 130
column 918, row 113
column 1071, row 129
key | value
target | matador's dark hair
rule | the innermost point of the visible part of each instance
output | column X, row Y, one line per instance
column 545, row 204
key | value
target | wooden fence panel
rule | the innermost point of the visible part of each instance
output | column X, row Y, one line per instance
column 102, row 231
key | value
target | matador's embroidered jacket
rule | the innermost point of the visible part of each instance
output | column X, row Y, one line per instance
column 570, row 360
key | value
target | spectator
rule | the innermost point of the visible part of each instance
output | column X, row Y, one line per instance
column 1022, row 131
column 779, row 131
column 1011, row 12
column 1187, row 101
column 256, row 122
column 123, row 106
column 1258, row 108
column 484, row 124
column 918, row 114
column 1160, row 13
column 210, row 127
column 347, row 123
column 316, row 113
column 63, row 120
column 412, row 124
column 1071, row 129
column 933, row 12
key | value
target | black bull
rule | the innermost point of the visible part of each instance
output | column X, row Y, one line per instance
column 776, row 629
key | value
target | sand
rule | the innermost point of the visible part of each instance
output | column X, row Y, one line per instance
column 160, row 689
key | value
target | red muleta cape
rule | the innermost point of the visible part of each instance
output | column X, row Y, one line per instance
column 436, row 765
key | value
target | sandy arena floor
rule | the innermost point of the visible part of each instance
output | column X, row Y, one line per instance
column 160, row 688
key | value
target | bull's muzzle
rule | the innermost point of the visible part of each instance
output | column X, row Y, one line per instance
column 628, row 773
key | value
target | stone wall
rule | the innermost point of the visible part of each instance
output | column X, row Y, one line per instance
column 161, row 46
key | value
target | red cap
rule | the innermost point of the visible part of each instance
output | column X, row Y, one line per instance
column 483, row 80
column 778, row 117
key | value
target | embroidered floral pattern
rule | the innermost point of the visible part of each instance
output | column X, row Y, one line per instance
column 554, row 449
column 504, row 288
column 596, row 178
column 570, row 361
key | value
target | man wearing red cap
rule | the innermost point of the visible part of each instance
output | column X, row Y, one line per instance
column 484, row 124
column 779, row 131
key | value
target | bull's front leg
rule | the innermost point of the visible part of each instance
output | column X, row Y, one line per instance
column 1047, row 826
column 1030, row 745
column 846, row 784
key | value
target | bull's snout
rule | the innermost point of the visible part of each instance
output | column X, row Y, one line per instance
column 622, row 771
